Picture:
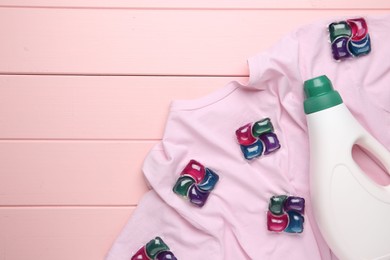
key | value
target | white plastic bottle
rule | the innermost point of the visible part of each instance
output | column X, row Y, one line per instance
column 351, row 210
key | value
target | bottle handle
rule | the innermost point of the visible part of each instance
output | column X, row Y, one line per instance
column 376, row 149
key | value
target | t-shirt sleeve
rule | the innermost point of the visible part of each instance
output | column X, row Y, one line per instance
column 163, row 213
column 278, row 64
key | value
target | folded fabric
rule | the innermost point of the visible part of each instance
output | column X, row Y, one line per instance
column 233, row 222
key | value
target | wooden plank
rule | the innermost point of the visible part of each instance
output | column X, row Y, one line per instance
column 72, row 172
column 77, row 107
column 59, row 233
column 212, row 4
column 143, row 42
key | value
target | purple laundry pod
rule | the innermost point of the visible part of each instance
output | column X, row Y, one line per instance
column 295, row 203
column 165, row 255
column 197, row 196
column 271, row 142
column 340, row 48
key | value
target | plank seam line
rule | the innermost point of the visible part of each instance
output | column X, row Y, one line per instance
column 201, row 8
column 80, row 139
column 69, row 206
column 122, row 75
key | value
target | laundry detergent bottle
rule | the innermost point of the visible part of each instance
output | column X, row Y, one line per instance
column 351, row 210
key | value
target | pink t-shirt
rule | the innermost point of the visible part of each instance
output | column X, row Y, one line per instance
column 232, row 223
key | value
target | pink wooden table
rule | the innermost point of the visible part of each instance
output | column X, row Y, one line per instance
column 85, row 88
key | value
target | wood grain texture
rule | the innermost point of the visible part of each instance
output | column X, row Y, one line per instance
column 59, row 233
column 85, row 89
column 94, row 107
column 72, row 172
column 143, row 42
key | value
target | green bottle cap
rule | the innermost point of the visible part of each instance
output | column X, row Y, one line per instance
column 320, row 95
